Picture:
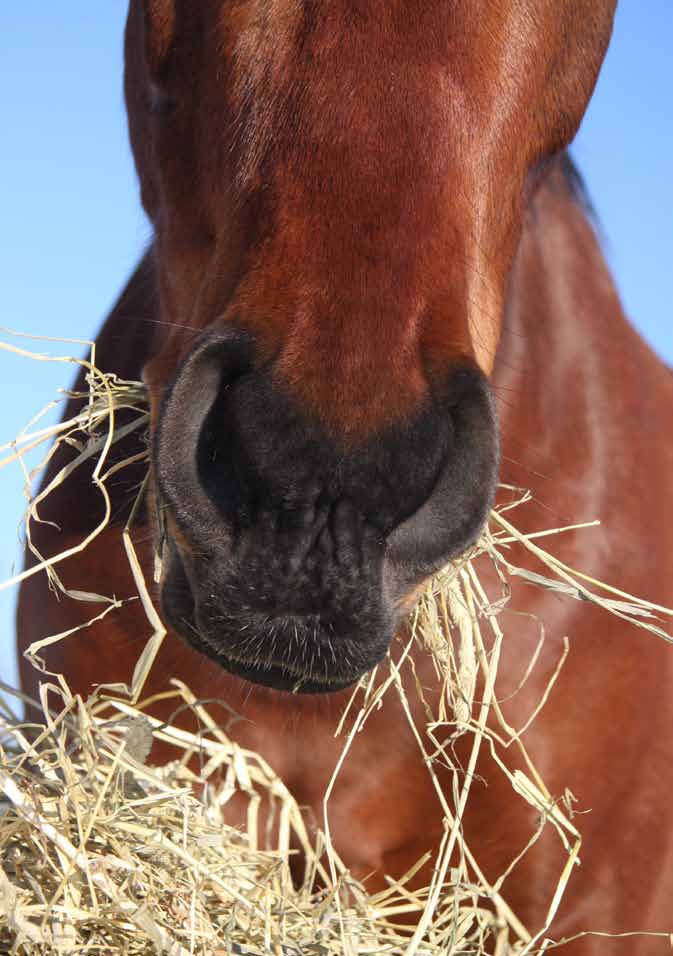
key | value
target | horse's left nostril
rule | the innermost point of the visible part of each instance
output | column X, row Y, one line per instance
column 451, row 517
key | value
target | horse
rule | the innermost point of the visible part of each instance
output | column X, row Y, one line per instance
column 373, row 290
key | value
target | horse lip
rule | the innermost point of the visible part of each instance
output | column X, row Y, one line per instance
column 281, row 675
column 279, row 678
column 180, row 608
column 272, row 674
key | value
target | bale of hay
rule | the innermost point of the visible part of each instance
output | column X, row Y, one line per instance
column 102, row 854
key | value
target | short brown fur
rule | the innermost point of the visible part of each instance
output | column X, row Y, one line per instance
column 374, row 189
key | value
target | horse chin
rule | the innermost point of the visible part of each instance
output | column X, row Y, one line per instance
column 297, row 653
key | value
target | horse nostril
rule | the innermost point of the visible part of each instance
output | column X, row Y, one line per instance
column 183, row 421
column 450, row 519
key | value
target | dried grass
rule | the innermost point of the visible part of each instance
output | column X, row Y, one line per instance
column 102, row 854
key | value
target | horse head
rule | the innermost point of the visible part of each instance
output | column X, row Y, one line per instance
column 337, row 191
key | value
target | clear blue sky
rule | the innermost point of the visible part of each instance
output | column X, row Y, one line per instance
column 72, row 225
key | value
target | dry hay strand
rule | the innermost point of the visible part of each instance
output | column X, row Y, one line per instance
column 103, row 854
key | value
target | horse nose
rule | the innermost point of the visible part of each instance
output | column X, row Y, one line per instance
column 233, row 453
column 232, row 446
column 288, row 534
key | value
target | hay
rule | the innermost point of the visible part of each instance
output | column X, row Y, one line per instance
column 102, row 854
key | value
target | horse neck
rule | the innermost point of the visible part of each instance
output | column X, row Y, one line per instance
column 563, row 341
column 580, row 396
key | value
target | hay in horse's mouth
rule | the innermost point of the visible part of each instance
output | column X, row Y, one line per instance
column 104, row 854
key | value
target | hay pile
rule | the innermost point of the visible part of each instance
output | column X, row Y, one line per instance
column 102, row 854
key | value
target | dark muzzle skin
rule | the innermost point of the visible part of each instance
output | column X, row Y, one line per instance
column 288, row 554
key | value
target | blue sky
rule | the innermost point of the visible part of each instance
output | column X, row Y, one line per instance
column 72, row 224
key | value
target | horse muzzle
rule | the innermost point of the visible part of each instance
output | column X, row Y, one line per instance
column 288, row 554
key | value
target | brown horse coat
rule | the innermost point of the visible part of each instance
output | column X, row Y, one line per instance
column 583, row 406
